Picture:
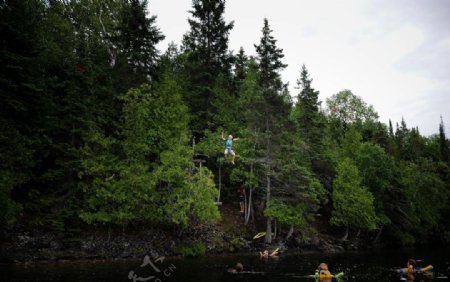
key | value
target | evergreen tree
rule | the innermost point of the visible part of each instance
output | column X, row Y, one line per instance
column 20, row 97
column 401, row 134
column 444, row 144
column 391, row 129
column 269, row 120
column 206, row 45
column 137, row 37
column 148, row 171
column 240, row 69
column 308, row 117
column 269, row 60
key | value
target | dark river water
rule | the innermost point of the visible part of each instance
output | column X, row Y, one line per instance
column 357, row 266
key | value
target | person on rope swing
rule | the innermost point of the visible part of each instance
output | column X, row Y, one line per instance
column 229, row 147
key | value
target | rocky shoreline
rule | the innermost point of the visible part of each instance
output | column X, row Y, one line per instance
column 22, row 246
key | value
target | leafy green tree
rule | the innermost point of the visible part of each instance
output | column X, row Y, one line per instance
column 184, row 198
column 419, row 202
column 152, row 171
column 377, row 173
column 345, row 108
column 290, row 215
column 352, row 203
column 351, row 143
column 121, row 185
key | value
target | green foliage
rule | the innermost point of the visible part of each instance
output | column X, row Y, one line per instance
column 206, row 48
column 211, row 144
column 347, row 108
column 351, row 143
column 191, row 249
column 9, row 209
column 352, row 202
column 17, row 158
column 309, row 120
column 269, row 59
column 423, row 197
column 376, row 169
column 375, row 166
column 153, row 168
column 287, row 214
column 226, row 104
column 137, row 38
column 444, row 144
column 185, row 198
column 94, row 124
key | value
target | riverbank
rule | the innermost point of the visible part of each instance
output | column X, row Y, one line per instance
column 230, row 235
column 368, row 266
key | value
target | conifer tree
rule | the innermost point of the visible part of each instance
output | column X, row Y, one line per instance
column 137, row 36
column 444, row 144
column 240, row 69
column 147, row 173
column 20, row 97
column 308, row 117
column 269, row 60
column 271, row 117
column 206, row 45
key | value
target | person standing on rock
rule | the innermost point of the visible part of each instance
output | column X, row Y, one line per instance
column 241, row 192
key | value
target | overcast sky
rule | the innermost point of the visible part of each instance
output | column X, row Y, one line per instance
column 393, row 54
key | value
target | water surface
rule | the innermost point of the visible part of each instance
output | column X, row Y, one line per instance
column 358, row 266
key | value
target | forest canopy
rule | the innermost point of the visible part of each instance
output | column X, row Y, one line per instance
column 98, row 126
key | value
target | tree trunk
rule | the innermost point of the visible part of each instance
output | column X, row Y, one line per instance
column 269, row 220
column 269, row 161
column 275, row 229
column 291, row 231
column 109, row 233
column 252, row 213
column 220, row 183
column 249, row 207
column 377, row 237
column 344, row 238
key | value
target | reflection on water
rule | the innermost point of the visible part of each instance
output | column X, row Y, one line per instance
column 363, row 266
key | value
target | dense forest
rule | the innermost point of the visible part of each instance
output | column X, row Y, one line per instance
column 99, row 127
